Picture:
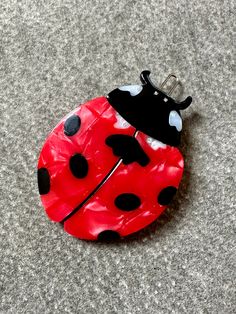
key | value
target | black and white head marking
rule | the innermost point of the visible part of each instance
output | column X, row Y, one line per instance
column 132, row 89
column 175, row 120
column 150, row 110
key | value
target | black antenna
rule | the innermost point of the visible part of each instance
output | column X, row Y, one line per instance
column 145, row 79
column 185, row 103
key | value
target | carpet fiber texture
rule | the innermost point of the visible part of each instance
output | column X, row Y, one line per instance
column 55, row 55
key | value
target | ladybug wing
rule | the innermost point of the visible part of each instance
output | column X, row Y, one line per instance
column 75, row 159
column 132, row 197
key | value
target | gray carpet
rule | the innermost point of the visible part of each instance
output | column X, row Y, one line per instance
column 57, row 54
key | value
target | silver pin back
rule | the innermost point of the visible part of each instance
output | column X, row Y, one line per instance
column 170, row 85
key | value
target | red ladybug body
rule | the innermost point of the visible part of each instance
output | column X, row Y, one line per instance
column 103, row 177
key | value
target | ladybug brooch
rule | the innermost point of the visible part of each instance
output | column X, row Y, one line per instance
column 111, row 166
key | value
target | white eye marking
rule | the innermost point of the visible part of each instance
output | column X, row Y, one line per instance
column 121, row 123
column 175, row 120
column 155, row 144
column 156, row 93
column 165, row 99
column 132, row 89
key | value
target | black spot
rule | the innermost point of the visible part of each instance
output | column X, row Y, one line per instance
column 72, row 125
column 78, row 166
column 166, row 195
column 108, row 236
column 43, row 181
column 127, row 201
column 128, row 148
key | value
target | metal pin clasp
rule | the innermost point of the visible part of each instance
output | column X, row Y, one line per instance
column 172, row 85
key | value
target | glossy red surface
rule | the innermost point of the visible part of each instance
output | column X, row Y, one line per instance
column 99, row 213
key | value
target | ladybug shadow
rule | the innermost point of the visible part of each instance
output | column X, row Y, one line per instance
column 180, row 202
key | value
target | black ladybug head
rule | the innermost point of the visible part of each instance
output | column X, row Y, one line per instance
column 150, row 110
